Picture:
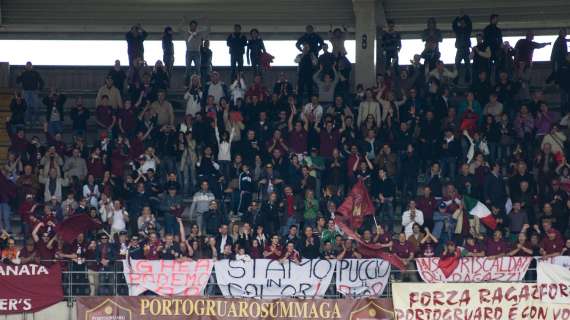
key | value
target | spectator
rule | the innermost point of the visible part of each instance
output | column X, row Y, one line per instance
column 194, row 43
column 391, row 45
column 462, row 27
column 31, row 82
column 236, row 42
column 255, row 48
column 168, row 49
column 135, row 38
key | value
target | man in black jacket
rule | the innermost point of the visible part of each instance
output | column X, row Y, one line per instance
column 135, row 38
column 314, row 40
column 493, row 37
column 495, row 190
column 32, row 83
column 236, row 42
column 462, row 28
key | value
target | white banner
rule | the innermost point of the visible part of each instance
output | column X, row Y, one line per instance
column 563, row 261
column 548, row 274
column 167, row 277
column 497, row 301
column 475, row 269
column 362, row 277
column 263, row 278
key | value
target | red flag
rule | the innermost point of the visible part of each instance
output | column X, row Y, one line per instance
column 370, row 249
column 71, row 227
column 449, row 263
column 357, row 205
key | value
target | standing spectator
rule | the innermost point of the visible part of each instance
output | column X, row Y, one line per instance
column 369, row 107
column 493, row 37
column 559, row 51
column 462, row 28
column 135, row 38
column 563, row 80
column 112, row 93
column 54, row 115
column 432, row 34
column 307, row 60
column 314, row 41
column 79, row 115
column 237, row 42
column 194, row 42
column 32, row 83
column 481, row 55
column 525, row 48
column 337, row 38
column 163, row 110
column 168, row 49
column 18, row 109
column 255, row 48
column 391, row 45
column 118, row 75
column 201, row 204
column 410, row 217
column 205, row 61
column 215, row 88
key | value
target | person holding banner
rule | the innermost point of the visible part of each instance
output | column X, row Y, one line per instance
column 405, row 252
column 291, row 254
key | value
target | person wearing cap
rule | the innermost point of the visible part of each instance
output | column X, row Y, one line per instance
column 472, row 248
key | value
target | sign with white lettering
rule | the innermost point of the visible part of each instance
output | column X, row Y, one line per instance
column 263, row 278
column 362, row 277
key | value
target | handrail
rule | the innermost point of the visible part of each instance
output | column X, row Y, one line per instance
column 78, row 280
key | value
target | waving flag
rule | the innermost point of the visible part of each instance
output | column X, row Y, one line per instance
column 356, row 206
column 478, row 209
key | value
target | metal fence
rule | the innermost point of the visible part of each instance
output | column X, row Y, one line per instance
column 79, row 280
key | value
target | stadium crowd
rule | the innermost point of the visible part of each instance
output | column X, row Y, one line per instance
column 258, row 170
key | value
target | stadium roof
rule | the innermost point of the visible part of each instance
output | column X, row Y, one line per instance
column 276, row 18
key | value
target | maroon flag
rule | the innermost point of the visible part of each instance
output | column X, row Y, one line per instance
column 356, row 206
column 29, row 287
column 449, row 263
column 71, row 227
column 370, row 249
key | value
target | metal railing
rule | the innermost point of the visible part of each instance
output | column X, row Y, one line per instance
column 79, row 280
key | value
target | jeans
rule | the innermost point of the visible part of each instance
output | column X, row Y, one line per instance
column 197, row 58
column 391, row 58
column 463, row 54
column 55, row 127
column 290, row 222
column 564, row 101
column 5, row 217
column 168, row 63
column 448, row 167
column 386, row 213
column 33, row 102
column 171, row 224
column 236, row 64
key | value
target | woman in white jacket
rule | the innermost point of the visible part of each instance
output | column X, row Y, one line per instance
column 224, row 149
column 238, row 88
column 193, row 96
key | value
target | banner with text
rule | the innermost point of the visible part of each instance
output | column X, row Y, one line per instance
column 196, row 308
column 475, row 269
column 270, row 278
column 362, row 277
column 167, row 277
column 548, row 273
column 451, row 301
column 563, row 261
column 29, row 287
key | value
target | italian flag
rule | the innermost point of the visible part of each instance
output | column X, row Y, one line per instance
column 478, row 209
